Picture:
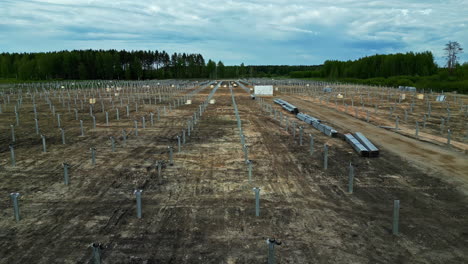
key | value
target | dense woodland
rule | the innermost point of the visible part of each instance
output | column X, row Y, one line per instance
column 409, row 69
column 129, row 65
column 101, row 64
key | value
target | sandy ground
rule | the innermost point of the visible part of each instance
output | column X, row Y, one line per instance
column 451, row 163
column 203, row 210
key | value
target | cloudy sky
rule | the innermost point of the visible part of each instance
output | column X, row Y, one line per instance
column 253, row 32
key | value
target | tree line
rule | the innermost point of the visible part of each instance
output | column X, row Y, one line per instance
column 101, row 64
column 128, row 65
column 421, row 64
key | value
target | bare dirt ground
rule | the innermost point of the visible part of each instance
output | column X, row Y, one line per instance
column 203, row 211
column 384, row 108
column 452, row 164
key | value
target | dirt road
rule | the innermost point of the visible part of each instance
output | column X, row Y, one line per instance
column 453, row 165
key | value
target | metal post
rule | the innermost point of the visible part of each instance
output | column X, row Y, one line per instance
column 160, row 172
column 136, row 127
column 81, row 128
column 152, row 119
column 271, row 250
column 96, row 253
column 12, row 152
column 62, row 132
column 13, row 138
column 65, row 173
column 94, row 122
column 37, row 126
column 76, row 113
column 128, row 111
column 58, row 120
column 138, row 202
column 424, row 121
column 325, row 156
column 396, row 216
column 171, row 160
column 183, row 137
column 117, row 114
column 93, row 156
column 250, row 170
column 417, row 129
column 449, row 136
column 178, row 143
column 246, row 153
column 257, row 201
column 44, row 147
column 14, row 198
column 301, row 133
column 112, row 143
column 124, row 136
column 351, row 178
column 17, row 118
column 294, row 129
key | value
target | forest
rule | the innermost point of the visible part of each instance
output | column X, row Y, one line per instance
column 409, row 69
column 101, row 64
column 128, row 65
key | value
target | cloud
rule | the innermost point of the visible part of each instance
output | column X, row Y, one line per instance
column 254, row 32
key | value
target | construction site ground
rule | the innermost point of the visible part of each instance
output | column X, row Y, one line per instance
column 203, row 211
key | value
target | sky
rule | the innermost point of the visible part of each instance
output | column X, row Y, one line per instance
column 256, row 32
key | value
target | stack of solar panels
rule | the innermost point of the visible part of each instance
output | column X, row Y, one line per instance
column 362, row 145
column 315, row 122
column 307, row 118
column 327, row 130
column 287, row 106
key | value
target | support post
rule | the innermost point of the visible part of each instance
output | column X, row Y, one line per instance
column 13, row 138
column 14, row 198
column 81, row 128
column 351, row 178
column 171, row 160
column 37, row 125
column 62, row 132
column 112, row 143
column 93, row 156
column 325, row 156
column 65, row 173
column 136, row 127
column 257, row 201
column 138, row 202
column 12, row 152
column 44, row 147
column 96, row 253
column 250, row 170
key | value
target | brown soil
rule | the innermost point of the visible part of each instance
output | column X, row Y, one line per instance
column 203, row 212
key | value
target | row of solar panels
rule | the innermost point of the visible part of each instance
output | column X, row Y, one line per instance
column 315, row 122
column 287, row 106
column 362, row 145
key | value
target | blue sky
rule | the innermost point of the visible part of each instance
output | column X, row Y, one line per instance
column 254, row 32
